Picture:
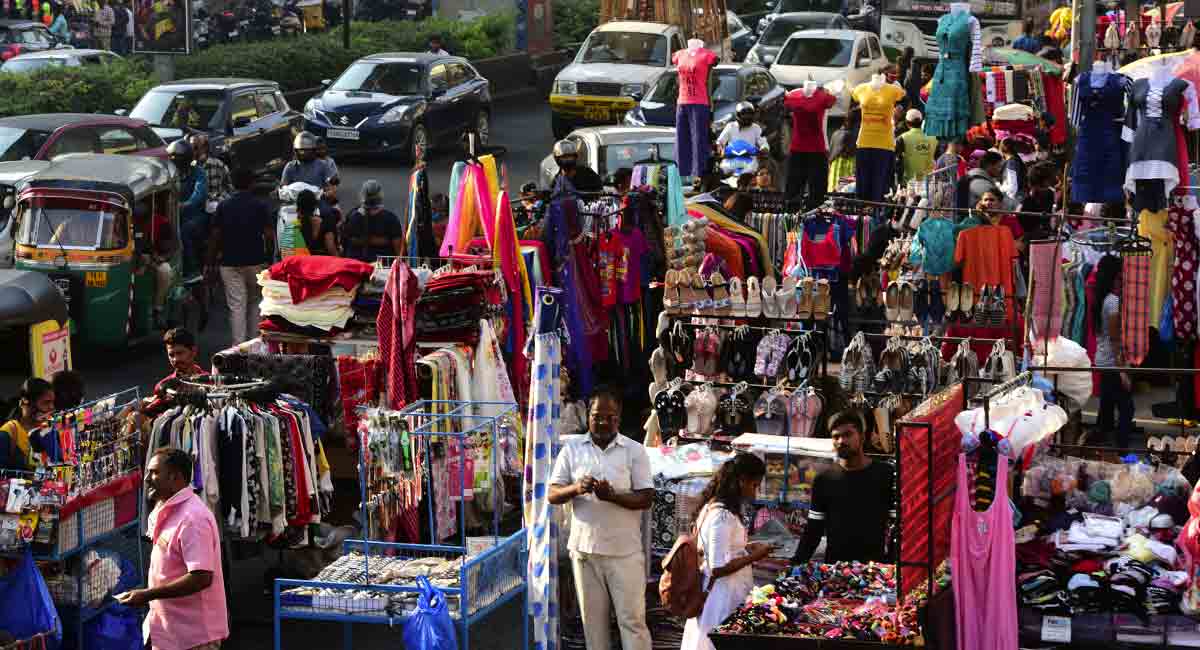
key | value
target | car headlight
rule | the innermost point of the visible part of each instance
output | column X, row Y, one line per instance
column 564, row 87
column 899, row 38
column 631, row 89
column 752, row 56
column 309, row 108
column 395, row 114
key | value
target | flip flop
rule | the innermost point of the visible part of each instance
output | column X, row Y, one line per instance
column 805, row 303
column 786, row 298
column 769, row 306
column 753, row 298
column 966, row 302
column 704, row 302
column 822, row 300
column 737, row 298
column 671, row 291
column 720, row 292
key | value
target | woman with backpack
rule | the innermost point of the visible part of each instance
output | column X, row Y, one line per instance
column 727, row 557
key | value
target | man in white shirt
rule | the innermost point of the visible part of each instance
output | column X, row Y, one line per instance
column 605, row 476
column 743, row 128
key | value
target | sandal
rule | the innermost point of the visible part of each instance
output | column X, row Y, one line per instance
column 892, row 302
column 671, row 291
column 999, row 307
column 737, row 298
column 720, row 293
column 822, row 300
column 769, row 306
column 966, row 302
column 785, row 296
column 806, row 302
column 904, row 312
column 983, row 307
column 753, row 298
column 704, row 301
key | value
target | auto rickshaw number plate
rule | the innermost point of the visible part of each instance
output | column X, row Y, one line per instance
column 96, row 279
column 595, row 113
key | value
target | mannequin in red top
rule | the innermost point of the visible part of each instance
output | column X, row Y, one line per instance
column 693, row 112
column 808, row 163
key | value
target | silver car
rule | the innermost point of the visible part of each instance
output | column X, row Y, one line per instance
column 605, row 149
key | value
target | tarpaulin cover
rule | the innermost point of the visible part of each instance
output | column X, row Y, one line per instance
column 938, row 412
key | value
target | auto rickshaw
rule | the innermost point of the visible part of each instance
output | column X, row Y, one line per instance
column 101, row 227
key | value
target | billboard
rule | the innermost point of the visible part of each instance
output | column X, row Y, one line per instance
column 162, row 26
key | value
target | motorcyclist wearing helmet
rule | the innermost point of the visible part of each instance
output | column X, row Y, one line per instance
column 743, row 128
column 573, row 176
column 307, row 167
column 193, row 192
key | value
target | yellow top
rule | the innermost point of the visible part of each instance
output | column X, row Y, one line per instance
column 878, row 128
column 20, row 438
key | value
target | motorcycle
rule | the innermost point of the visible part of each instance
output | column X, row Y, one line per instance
column 200, row 19
column 739, row 157
column 227, row 27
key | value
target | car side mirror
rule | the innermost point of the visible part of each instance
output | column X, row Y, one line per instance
column 325, row 83
column 121, row 111
column 241, row 122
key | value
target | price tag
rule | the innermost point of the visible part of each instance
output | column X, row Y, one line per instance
column 1056, row 629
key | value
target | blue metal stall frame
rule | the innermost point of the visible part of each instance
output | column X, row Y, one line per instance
column 486, row 581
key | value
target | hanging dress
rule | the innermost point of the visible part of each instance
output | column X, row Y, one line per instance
column 1097, row 173
column 983, row 559
column 1181, row 222
column 1153, row 109
column 948, row 111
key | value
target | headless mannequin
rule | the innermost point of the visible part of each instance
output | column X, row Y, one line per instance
column 808, row 164
column 694, row 44
column 877, row 81
column 810, row 87
column 876, row 155
column 693, row 110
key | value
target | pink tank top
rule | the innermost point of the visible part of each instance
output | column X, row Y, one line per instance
column 823, row 253
column 693, row 75
column 983, row 560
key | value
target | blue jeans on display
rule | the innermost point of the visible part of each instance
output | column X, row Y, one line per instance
column 693, row 138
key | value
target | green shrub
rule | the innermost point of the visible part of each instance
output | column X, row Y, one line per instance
column 574, row 20
column 296, row 63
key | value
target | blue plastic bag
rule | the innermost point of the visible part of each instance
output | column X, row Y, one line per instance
column 28, row 609
column 430, row 627
column 116, row 628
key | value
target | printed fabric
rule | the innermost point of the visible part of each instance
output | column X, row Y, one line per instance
column 878, row 127
column 1135, row 307
column 948, row 110
column 395, row 326
column 541, row 450
column 693, row 66
column 1181, row 223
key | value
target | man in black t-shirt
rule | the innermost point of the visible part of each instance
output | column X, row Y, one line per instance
column 371, row 230
column 852, row 502
column 243, row 234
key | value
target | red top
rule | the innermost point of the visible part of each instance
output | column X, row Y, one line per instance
column 693, row 74
column 313, row 275
column 808, row 119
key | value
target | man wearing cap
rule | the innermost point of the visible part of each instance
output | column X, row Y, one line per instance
column 914, row 149
column 852, row 502
column 371, row 230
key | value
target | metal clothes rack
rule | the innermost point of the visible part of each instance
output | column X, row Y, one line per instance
column 487, row 580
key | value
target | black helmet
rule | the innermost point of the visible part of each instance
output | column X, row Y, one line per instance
column 180, row 153
column 529, row 188
column 744, row 111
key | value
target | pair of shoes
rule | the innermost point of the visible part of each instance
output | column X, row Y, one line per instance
column 960, row 302
column 899, row 301
column 711, row 297
column 992, row 308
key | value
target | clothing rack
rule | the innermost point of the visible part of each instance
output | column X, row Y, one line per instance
column 942, row 339
column 905, row 206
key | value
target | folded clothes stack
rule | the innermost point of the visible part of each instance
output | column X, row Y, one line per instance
column 452, row 305
column 310, row 294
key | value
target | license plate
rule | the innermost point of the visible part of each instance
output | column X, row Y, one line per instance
column 342, row 134
column 595, row 113
column 97, row 279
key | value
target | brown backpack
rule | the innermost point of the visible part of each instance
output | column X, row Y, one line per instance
column 681, row 587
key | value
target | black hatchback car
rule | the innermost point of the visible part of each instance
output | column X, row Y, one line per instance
column 398, row 101
column 248, row 121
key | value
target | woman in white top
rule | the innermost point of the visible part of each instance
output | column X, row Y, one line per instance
column 722, row 540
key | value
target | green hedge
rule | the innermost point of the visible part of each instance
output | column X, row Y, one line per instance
column 295, row 63
column 574, row 20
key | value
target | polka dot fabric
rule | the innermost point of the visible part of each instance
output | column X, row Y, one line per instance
column 1181, row 218
column 541, row 448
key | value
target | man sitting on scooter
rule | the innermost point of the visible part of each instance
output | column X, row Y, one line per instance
column 743, row 129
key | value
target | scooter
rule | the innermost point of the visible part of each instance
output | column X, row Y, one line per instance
column 739, row 157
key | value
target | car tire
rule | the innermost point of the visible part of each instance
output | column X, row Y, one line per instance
column 483, row 127
column 418, row 136
column 559, row 127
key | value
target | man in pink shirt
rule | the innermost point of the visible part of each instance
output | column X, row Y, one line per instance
column 187, row 591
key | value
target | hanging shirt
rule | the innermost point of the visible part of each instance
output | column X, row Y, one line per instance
column 808, row 119
column 636, row 246
column 878, row 128
column 693, row 68
column 613, row 267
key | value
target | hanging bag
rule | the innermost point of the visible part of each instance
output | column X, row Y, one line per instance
column 28, row 609
column 430, row 627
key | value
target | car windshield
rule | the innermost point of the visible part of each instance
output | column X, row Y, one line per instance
column 817, row 52
column 73, row 224
column 829, row 6
column 195, row 109
column 35, row 36
column 21, row 144
column 779, row 31
column 666, row 89
column 387, row 78
column 993, row 9
column 616, row 156
column 29, row 65
column 625, row 47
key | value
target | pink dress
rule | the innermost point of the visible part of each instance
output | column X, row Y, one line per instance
column 983, row 563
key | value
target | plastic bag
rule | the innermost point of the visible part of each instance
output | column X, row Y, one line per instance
column 430, row 627
column 117, row 628
column 28, row 609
